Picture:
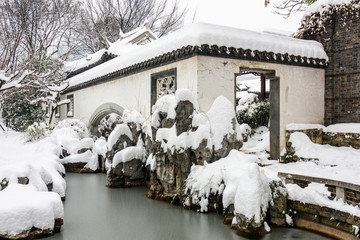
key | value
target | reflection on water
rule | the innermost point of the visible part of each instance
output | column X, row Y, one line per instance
column 95, row 212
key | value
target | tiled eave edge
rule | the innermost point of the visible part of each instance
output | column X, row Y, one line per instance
column 204, row 50
column 104, row 58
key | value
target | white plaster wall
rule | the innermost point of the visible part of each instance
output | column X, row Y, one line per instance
column 131, row 92
column 301, row 88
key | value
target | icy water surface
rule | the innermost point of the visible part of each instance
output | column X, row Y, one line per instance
column 95, row 212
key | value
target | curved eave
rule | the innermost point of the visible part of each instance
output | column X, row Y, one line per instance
column 204, row 50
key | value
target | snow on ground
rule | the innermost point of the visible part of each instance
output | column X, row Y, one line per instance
column 337, row 163
column 259, row 144
column 23, row 207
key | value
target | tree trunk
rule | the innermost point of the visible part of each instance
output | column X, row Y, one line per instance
column 52, row 111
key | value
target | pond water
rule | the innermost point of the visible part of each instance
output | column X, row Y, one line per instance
column 95, row 212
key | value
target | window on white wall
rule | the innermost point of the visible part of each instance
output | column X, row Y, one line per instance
column 70, row 106
column 162, row 83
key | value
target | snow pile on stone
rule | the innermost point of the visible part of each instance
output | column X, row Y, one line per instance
column 23, row 207
column 302, row 126
column 71, row 140
column 258, row 143
column 318, row 194
column 238, row 179
column 30, row 163
column 125, row 157
column 334, row 128
column 343, row 128
column 343, row 159
column 218, row 123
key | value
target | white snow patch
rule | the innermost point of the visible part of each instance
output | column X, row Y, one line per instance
column 150, row 161
column 289, row 220
column 23, row 207
column 238, row 178
column 128, row 154
column 100, row 147
column 221, row 116
column 343, row 128
column 121, row 129
column 266, row 226
column 318, row 194
column 301, row 126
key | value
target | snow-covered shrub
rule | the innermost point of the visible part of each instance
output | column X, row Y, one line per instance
column 74, row 124
column 36, row 131
column 255, row 115
column 18, row 115
column 108, row 123
column 237, row 178
column 323, row 11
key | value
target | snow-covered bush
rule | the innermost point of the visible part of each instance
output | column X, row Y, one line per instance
column 237, row 178
column 253, row 112
column 19, row 115
column 36, row 131
column 108, row 123
column 75, row 125
column 323, row 11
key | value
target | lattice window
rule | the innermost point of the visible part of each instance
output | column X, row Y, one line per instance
column 165, row 85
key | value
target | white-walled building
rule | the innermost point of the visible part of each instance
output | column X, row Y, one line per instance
column 205, row 59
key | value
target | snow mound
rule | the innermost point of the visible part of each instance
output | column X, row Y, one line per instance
column 301, row 126
column 38, row 162
column 337, row 163
column 238, row 178
column 223, row 121
column 23, row 207
column 133, row 116
column 121, row 129
column 100, row 147
column 343, row 128
column 318, row 194
column 128, row 154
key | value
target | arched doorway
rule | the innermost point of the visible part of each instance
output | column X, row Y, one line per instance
column 101, row 112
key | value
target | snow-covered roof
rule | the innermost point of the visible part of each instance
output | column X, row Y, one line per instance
column 127, row 42
column 208, row 39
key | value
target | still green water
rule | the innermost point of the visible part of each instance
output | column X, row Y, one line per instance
column 95, row 212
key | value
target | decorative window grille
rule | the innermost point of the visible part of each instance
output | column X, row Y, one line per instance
column 162, row 83
column 165, row 85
